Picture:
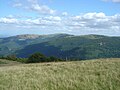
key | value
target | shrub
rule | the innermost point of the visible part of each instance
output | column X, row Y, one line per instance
column 36, row 57
column 53, row 59
column 11, row 57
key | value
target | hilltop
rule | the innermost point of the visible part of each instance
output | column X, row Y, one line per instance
column 27, row 36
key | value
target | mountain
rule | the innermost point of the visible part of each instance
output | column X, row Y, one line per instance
column 62, row 46
column 11, row 44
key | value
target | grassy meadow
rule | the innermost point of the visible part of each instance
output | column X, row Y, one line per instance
column 102, row 74
column 8, row 63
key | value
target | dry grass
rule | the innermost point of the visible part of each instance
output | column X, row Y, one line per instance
column 4, row 62
column 79, row 75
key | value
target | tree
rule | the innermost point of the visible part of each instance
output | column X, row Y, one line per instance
column 11, row 57
column 36, row 57
column 53, row 59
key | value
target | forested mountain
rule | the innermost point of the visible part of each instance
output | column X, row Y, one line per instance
column 62, row 46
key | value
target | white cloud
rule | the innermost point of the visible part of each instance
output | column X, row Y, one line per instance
column 43, row 9
column 8, row 20
column 17, row 5
column 37, row 6
column 33, row 1
column 34, row 5
column 64, row 13
column 53, row 18
column 116, row 1
column 43, row 21
column 94, row 22
column 94, row 15
column 10, row 16
column 98, row 23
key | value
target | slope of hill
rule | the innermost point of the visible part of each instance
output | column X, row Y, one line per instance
column 77, row 47
column 10, row 44
column 62, row 46
column 102, row 74
column 4, row 62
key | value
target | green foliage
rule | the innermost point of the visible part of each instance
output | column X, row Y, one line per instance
column 53, row 59
column 62, row 46
column 14, row 58
column 22, row 60
column 12, row 44
column 11, row 57
column 36, row 57
column 77, row 47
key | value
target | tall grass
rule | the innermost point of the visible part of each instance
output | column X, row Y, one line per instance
column 79, row 75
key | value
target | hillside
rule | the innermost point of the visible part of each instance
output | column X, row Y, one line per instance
column 77, row 47
column 4, row 62
column 102, row 74
column 10, row 45
column 62, row 46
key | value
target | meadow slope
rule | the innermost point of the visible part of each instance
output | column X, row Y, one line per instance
column 102, row 74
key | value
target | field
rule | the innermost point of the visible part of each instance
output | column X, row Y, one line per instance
column 7, row 63
column 102, row 74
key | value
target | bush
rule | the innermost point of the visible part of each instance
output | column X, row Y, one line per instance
column 36, row 57
column 53, row 59
column 11, row 57
column 22, row 60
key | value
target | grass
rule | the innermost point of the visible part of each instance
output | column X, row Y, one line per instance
column 4, row 62
column 80, row 75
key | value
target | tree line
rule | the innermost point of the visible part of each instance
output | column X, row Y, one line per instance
column 34, row 58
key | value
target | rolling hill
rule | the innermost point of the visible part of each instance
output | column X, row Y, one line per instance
column 10, row 45
column 4, row 62
column 62, row 46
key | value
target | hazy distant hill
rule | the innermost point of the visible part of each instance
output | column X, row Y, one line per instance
column 9, row 45
column 62, row 45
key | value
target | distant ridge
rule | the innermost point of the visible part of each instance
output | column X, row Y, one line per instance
column 28, row 36
column 25, row 36
column 33, row 36
column 62, row 45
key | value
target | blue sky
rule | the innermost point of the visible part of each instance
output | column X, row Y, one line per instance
column 77, row 17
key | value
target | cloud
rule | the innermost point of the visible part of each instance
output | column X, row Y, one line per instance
column 94, row 23
column 115, row 1
column 97, row 23
column 38, row 7
column 35, row 6
column 43, row 9
column 33, row 1
column 64, row 13
column 17, row 5
column 53, row 18
column 42, row 21
column 8, row 20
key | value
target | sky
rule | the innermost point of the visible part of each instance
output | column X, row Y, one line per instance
column 77, row 17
